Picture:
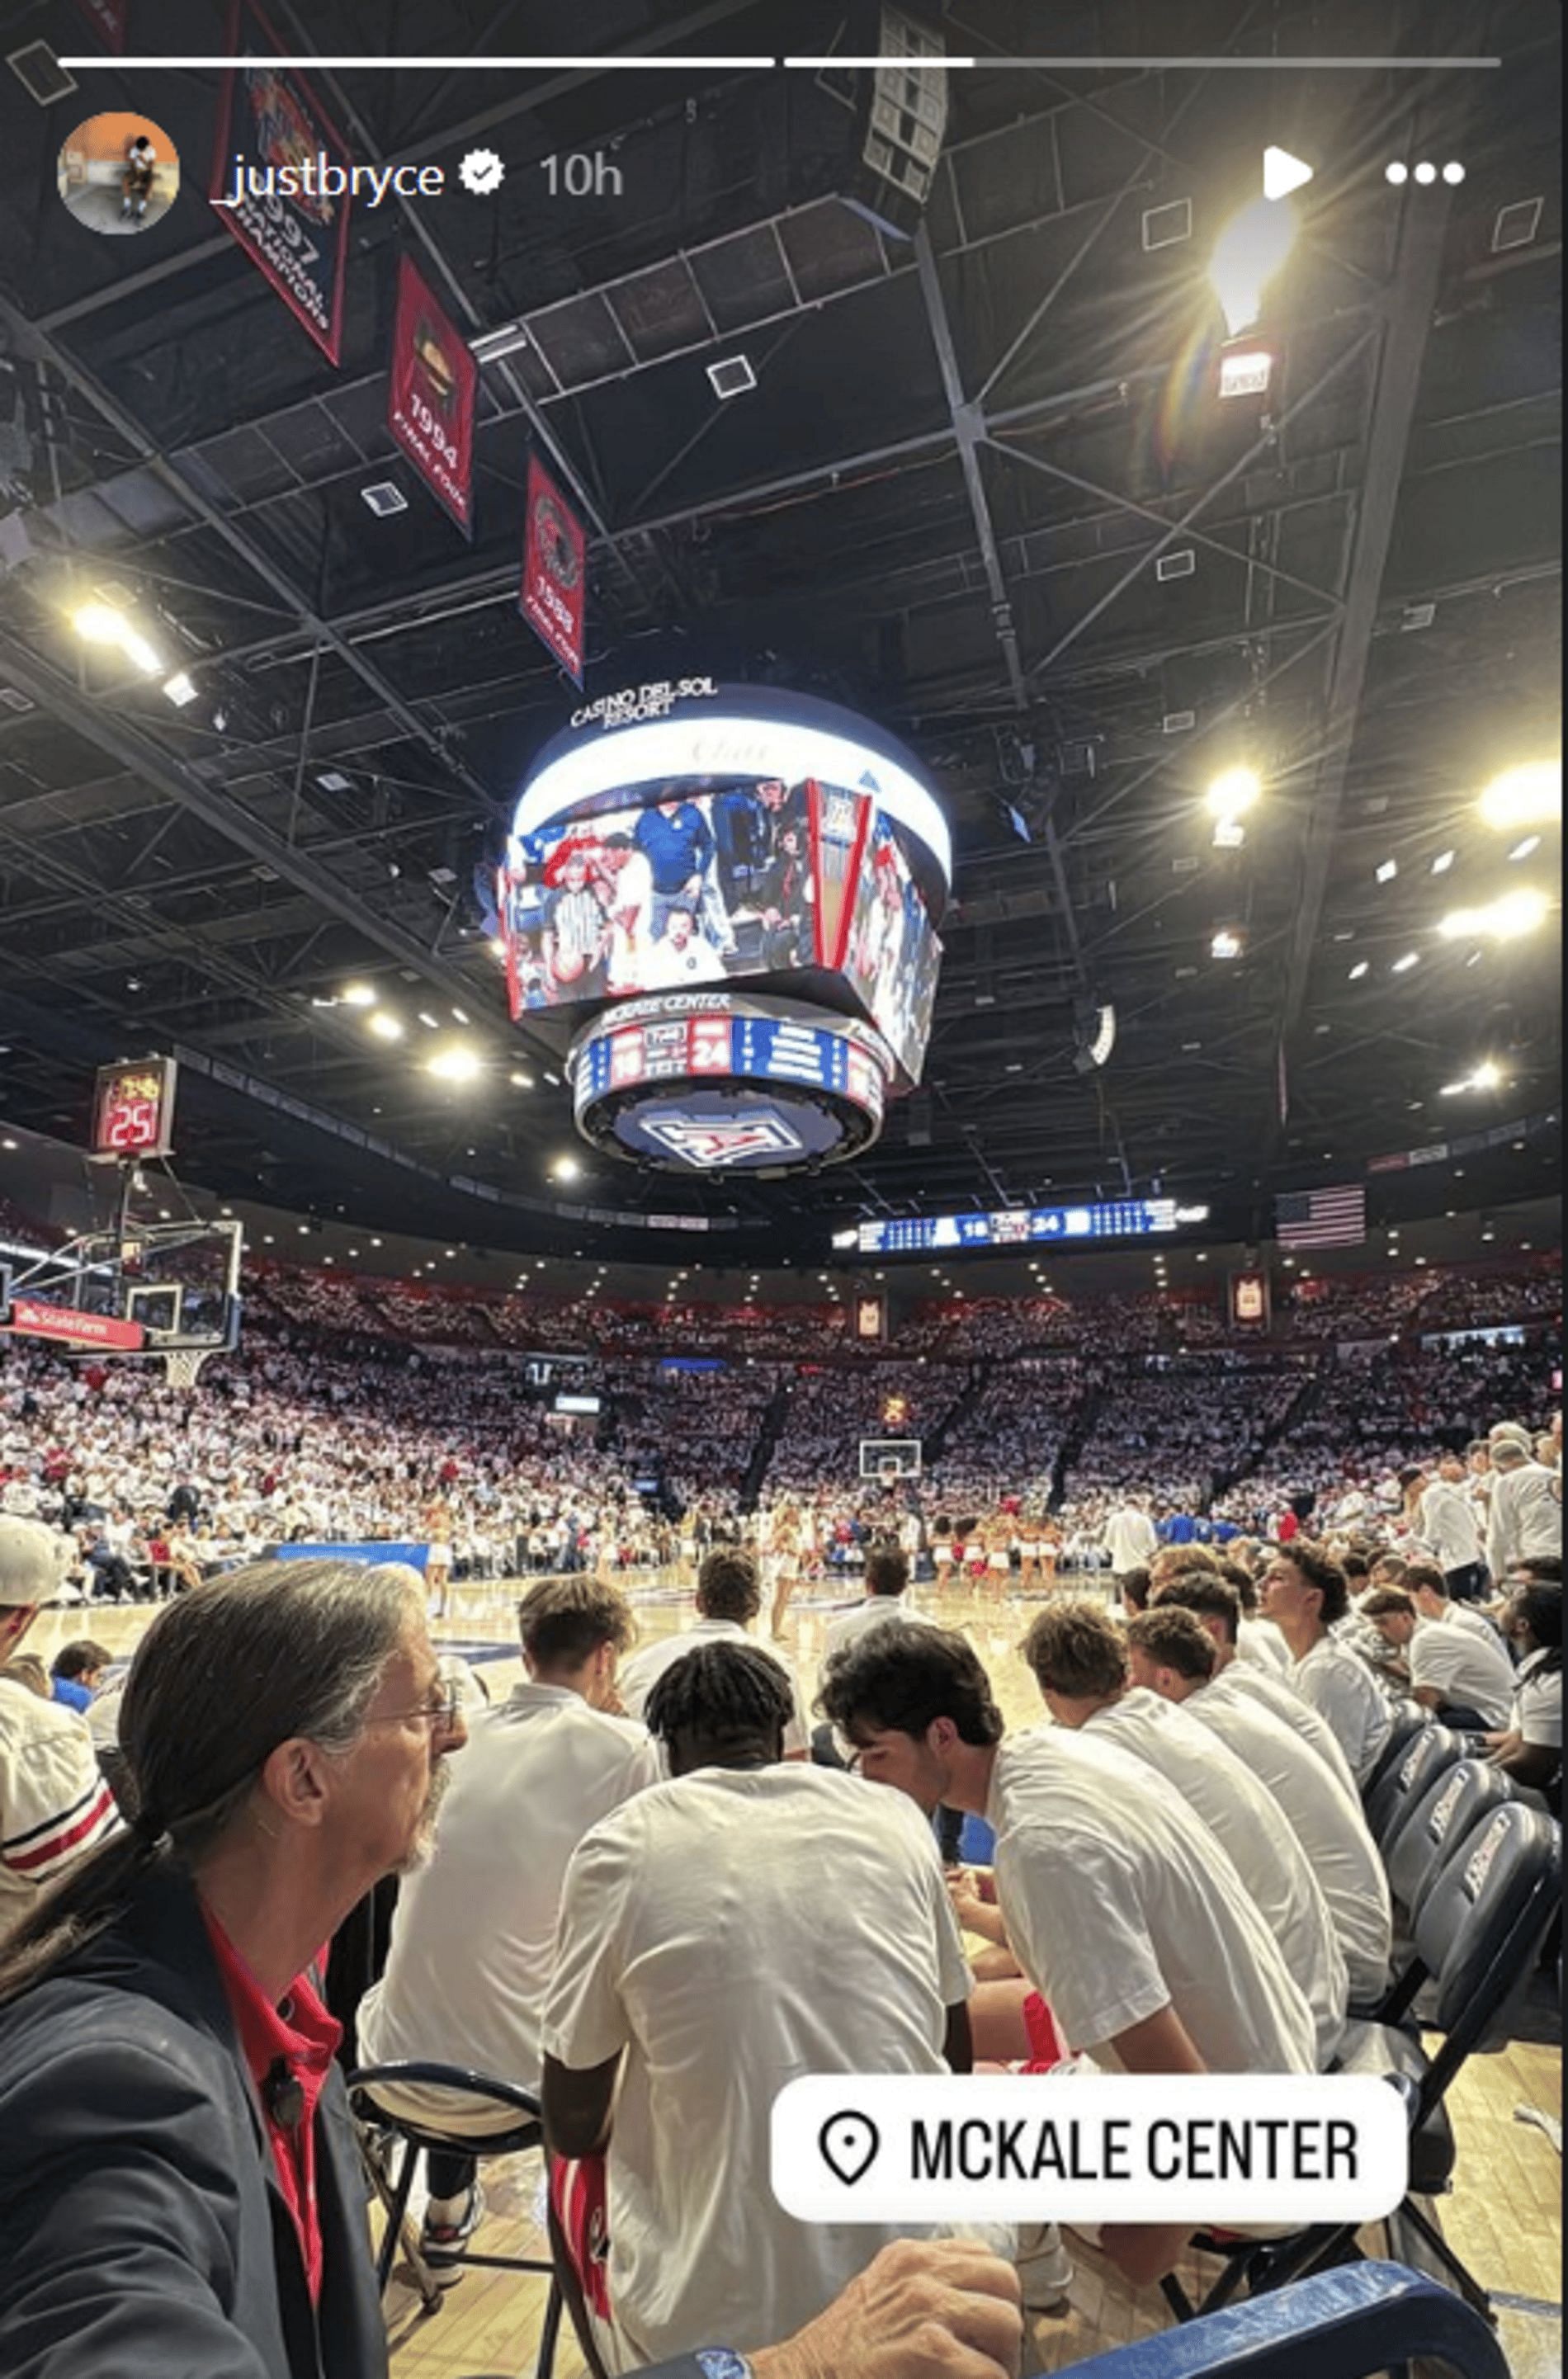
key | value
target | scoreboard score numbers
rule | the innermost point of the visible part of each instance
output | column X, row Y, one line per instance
column 133, row 1108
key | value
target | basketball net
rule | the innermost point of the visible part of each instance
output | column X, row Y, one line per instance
column 182, row 1365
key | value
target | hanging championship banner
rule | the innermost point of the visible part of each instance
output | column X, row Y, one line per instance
column 281, row 179
column 108, row 17
column 554, row 571
column 432, row 399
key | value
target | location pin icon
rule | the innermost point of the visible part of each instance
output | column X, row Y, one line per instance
column 849, row 2145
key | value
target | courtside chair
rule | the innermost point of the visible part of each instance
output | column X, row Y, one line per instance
column 1456, row 1801
column 1409, row 1717
column 1345, row 2325
column 1394, row 1801
column 1478, row 1932
column 419, row 2137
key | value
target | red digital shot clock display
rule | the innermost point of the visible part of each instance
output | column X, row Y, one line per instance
column 133, row 1111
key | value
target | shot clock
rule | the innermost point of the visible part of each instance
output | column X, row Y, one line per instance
column 133, row 1108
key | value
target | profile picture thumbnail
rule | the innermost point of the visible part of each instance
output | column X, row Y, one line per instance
column 119, row 172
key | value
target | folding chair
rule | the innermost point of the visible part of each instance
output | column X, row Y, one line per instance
column 1478, row 1931
column 1409, row 1717
column 419, row 2137
column 1352, row 2325
column 1394, row 1801
column 1456, row 1801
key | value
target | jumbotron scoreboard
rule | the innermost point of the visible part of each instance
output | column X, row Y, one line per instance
column 1020, row 1226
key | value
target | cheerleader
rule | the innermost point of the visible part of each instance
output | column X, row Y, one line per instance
column 786, row 1539
column 942, row 1551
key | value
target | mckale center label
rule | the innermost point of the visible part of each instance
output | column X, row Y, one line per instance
column 1246, row 2151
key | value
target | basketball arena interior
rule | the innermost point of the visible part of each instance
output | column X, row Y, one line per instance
column 781, row 1311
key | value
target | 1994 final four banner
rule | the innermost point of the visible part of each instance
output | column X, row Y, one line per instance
column 431, row 396
column 268, row 117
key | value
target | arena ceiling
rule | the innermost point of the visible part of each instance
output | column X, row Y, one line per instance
column 946, row 502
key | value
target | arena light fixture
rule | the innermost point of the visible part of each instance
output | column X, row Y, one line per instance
column 384, row 1026
column 359, row 995
column 1362, row 968
column 180, row 688
column 1233, row 793
column 1248, row 254
column 1523, row 850
column 1487, row 1076
column 1531, row 795
column 1226, row 944
column 1388, row 871
column 1403, row 965
column 454, row 1063
column 565, row 1168
column 103, row 623
column 1506, row 918
column 522, row 1081
column 1443, row 861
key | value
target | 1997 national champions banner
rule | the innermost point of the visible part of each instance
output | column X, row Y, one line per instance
column 298, row 235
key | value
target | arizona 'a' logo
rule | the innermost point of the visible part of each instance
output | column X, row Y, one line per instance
column 713, row 1140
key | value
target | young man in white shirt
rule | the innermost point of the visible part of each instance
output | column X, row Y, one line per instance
column 696, row 1977
column 1303, row 1594
column 1450, row 1671
column 1214, row 1602
column 728, row 1604
column 887, row 1601
column 1530, row 1749
column 1130, row 1539
column 1446, row 1520
column 1122, row 1909
column 474, row 1933
column 1171, row 1651
column 1080, row 1660
column 1526, row 1515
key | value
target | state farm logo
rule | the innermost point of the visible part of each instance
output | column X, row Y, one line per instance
column 714, row 1141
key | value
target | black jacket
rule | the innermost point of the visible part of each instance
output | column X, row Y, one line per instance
column 142, row 2232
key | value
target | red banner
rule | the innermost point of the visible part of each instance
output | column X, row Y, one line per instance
column 108, row 17
column 295, row 224
column 431, row 400
column 555, row 554
column 39, row 1321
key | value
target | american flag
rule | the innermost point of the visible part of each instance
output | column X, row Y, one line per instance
column 1322, row 1218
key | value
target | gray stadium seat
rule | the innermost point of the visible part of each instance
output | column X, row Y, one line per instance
column 1397, row 1797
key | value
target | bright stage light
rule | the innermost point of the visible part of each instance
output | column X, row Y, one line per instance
column 1226, row 944
column 1503, row 920
column 1248, row 254
column 1233, row 793
column 180, row 689
column 455, row 1063
column 385, row 1027
column 565, row 1168
column 1531, row 795
column 1487, row 1076
column 98, row 623
column 359, row 995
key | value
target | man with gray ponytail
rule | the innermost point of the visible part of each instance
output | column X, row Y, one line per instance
column 179, row 2191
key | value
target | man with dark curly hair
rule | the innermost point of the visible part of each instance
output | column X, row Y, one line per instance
column 1305, row 1595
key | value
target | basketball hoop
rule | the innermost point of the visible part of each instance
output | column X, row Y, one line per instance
column 182, row 1365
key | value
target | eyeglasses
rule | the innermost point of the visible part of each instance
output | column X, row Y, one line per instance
column 439, row 1711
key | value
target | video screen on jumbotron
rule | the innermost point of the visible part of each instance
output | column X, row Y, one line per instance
column 708, row 848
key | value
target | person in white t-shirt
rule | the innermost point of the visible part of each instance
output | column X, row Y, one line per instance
column 1171, row 1652
column 1530, row 1748
column 729, row 1603
column 1464, row 1682
column 1123, row 1910
column 1214, row 1601
column 694, row 1977
column 681, row 956
column 1130, row 1537
column 1080, row 1660
column 1446, row 1520
column 1526, row 1514
column 473, row 1932
column 887, row 1602
column 1305, row 1596
column 54, row 1805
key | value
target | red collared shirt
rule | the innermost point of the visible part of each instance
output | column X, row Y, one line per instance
column 304, row 2037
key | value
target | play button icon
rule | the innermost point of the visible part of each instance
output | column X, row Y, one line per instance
column 1282, row 173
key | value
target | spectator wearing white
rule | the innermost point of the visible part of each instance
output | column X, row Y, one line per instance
column 1171, row 1651
column 887, row 1601
column 1464, row 1682
column 1530, row 1750
column 730, row 1601
column 1446, row 1521
column 54, row 1805
column 694, row 1979
column 1214, row 1601
column 1305, row 1595
column 1122, row 1909
column 1428, row 1587
column 473, row 1935
column 1080, row 1660
column 1257, row 1644
column 1130, row 1537
column 1526, row 1515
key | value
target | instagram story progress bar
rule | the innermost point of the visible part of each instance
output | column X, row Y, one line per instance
column 615, row 63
